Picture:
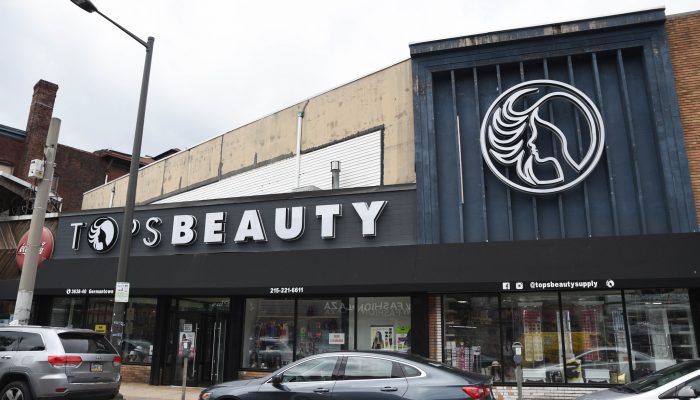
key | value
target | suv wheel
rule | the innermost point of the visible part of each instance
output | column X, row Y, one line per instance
column 16, row 390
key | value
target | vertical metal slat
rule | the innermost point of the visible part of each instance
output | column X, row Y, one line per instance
column 508, row 195
column 458, row 135
column 562, row 226
column 587, row 209
column 611, row 179
column 535, row 217
column 632, row 140
column 481, row 164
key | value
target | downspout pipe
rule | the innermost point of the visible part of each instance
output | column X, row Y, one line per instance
column 300, row 118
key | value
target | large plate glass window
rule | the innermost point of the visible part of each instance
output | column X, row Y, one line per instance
column 533, row 320
column 472, row 337
column 67, row 312
column 384, row 323
column 268, row 333
column 660, row 329
column 594, row 338
column 322, row 326
column 139, row 334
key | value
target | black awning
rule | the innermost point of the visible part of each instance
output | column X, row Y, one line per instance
column 630, row 261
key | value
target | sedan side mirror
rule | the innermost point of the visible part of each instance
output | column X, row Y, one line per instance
column 686, row 392
column 277, row 380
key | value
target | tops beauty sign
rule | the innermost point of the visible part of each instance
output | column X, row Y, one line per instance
column 370, row 219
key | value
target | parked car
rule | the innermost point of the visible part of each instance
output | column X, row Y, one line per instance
column 353, row 375
column 57, row 363
column 680, row 381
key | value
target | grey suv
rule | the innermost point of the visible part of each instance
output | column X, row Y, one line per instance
column 57, row 363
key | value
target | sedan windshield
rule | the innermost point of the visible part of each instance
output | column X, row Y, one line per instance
column 660, row 377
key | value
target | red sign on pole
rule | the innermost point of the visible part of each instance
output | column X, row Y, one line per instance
column 45, row 251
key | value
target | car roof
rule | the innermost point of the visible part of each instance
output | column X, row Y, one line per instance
column 53, row 328
column 422, row 361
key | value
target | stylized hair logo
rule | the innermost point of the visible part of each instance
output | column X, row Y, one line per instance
column 510, row 132
column 103, row 234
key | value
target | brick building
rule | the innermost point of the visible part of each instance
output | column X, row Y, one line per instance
column 434, row 240
column 76, row 172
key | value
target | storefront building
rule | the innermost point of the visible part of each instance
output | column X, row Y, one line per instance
column 552, row 205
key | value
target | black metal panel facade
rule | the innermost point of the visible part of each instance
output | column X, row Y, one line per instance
column 641, row 183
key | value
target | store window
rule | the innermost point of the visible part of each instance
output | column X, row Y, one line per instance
column 67, row 312
column 594, row 338
column 98, row 315
column 322, row 326
column 384, row 323
column 533, row 320
column 278, row 331
column 139, row 334
column 268, row 333
column 660, row 329
column 472, row 337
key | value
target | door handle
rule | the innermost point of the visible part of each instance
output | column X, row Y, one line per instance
column 6, row 357
column 389, row 389
column 321, row 390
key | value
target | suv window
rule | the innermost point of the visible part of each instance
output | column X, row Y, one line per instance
column 371, row 368
column 30, row 342
column 79, row 342
column 8, row 341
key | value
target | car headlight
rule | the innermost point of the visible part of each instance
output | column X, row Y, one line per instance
column 204, row 395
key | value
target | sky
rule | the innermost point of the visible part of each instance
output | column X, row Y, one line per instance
column 220, row 64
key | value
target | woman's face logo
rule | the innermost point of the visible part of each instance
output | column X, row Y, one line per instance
column 539, row 157
column 102, row 234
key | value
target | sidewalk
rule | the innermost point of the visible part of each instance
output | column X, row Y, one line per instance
column 142, row 391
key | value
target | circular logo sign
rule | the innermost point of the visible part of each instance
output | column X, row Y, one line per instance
column 540, row 157
column 103, row 234
column 45, row 250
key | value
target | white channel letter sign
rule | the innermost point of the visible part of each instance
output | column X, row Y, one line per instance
column 513, row 124
column 289, row 226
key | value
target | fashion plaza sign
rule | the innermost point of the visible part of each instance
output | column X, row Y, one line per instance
column 269, row 226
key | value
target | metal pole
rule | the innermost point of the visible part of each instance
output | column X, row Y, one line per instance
column 519, row 380
column 117, row 330
column 184, row 374
column 25, row 293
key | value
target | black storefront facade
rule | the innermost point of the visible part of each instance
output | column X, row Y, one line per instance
column 553, row 139
column 258, row 309
column 552, row 206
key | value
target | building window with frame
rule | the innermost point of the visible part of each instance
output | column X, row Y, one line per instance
column 384, row 323
column 661, row 329
column 594, row 338
column 472, row 337
column 533, row 320
column 268, row 335
column 139, row 334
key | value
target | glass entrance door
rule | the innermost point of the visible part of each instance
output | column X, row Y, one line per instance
column 204, row 322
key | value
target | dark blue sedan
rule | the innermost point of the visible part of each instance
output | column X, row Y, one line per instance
column 358, row 375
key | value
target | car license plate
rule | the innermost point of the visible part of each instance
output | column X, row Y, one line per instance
column 95, row 367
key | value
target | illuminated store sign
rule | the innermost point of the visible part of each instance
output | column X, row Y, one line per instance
column 355, row 220
column 517, row 125
column 289, row 226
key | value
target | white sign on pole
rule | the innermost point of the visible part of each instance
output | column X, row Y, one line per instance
column 121, row 294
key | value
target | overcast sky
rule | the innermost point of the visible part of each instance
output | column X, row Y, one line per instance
column 219, row 64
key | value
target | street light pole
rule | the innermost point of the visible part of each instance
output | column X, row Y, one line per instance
column 118, row 324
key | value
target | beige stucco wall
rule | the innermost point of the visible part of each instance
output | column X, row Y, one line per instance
column 383, row 99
